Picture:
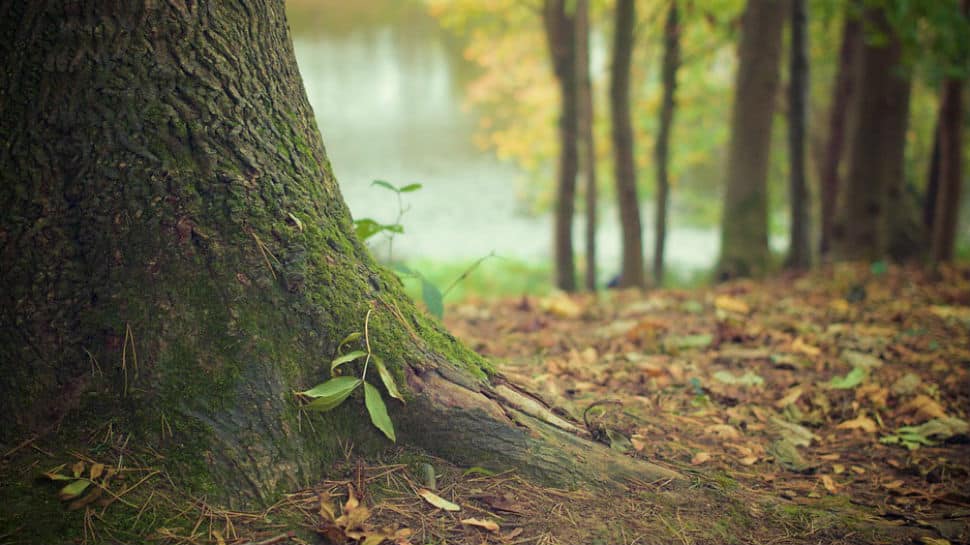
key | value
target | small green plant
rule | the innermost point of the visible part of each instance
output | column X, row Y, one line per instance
column 330, row 394
column 433, row 297
column 367, row 227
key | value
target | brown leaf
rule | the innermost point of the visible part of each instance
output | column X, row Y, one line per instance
column 829, row 484
column 861, row 422
column 923, row 407
column 699, row 458
column 486, row 524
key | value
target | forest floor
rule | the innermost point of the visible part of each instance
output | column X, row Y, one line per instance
column 831, row 407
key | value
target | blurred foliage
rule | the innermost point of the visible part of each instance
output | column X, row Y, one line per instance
column 515, row 92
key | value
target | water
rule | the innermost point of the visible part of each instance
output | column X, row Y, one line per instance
column 386, row 84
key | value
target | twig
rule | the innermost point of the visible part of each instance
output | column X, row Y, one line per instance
column 271, row 540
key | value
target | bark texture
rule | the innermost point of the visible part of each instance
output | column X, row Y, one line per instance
column 799, row 247
column 744, row 224
column 560, row 28
column 176, row 257
column 842, row 93
column 668, row 76
column 631, row 272
column 875, row 183
column 587, row 149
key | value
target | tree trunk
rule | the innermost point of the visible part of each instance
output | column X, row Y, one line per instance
column 842, row 93
column 950, row 166
column 631, row 273
column 875, row 181
column 744, row 227
column 561, row 37
column 932, row 182
column 176, row 257
column 668, row 76
column 588, row 143
column 799, row 247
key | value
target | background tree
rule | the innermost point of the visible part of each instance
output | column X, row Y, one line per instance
column 587, row 146
column 631, row 271
column 560, row 29
column 744, row 224
column 875, row 181
column 842, row 91
column 668, row 76
column 799, row 247
column 177, row 261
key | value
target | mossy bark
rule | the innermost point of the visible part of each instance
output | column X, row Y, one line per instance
column 176, row 257
column 744, row 222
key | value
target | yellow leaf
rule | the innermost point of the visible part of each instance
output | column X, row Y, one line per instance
column 437, row 500
column 78, row 469
column 724, row 431
column 486, row 524
column 924, row 407
column 790, row 397
column 798, row 345
column 96, row 471
column 700, row 458
column 861, row 422
column 829, row 484
column 731, row 304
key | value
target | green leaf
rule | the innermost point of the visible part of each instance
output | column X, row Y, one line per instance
column 394, row 228
column 410, row 187
column 478, row 471
column 367, row 228
column 385, row 185
column 378, row 411
column 349, row 339
column 432, row 298
column 332, row 393
column 387, row 378
column 73, row 489
column 349, row 356
column 853, row 379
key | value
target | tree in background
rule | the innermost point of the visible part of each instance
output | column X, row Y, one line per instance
column 799, row 247
column 842, row 91
column 587, row 143
column 668, row 76
column 875, row 184
column 631, row 271
column 744, row 223
column 560, row 29
column 949, row 151
column 177, row 261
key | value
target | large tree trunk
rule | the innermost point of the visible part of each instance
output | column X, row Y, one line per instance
column 176, row 256
column 631, row 272
column 668, row 76
column 950, row 171
column 744, row 224
column 799, row 247
column 561, row 37
column 875, row 183
column 588, row 143
column 842, row 93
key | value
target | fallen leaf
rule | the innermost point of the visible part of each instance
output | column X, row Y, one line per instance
column 724, row 431
column 731, row 304
column 560, row 305
column 790, row 398
column 923, row 407
column 861, row 422
column 798, row 345
column 699, row 458
column 829, row 484
column 486, row 524
column 437, row 500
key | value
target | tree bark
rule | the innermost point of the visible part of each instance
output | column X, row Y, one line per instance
column 587, row 150
column 744, row 226
column 799, row 247
column 950, row 171
column 631, row 273
column 668, row 76
column 875, row 183
column 842, row 93
column 176, row 258
column 561, row 36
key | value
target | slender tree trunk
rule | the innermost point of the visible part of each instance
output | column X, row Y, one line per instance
column 176, row 259
column 875, row 183
column 932, row 182
column 587, row 150
column 668, row 76
column 799, row 248
column 950, row 173
column 842, row 93
column 561, row 37
column 631, row 273
column 744, row 226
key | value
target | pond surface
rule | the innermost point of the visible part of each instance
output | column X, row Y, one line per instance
column 387, row 86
